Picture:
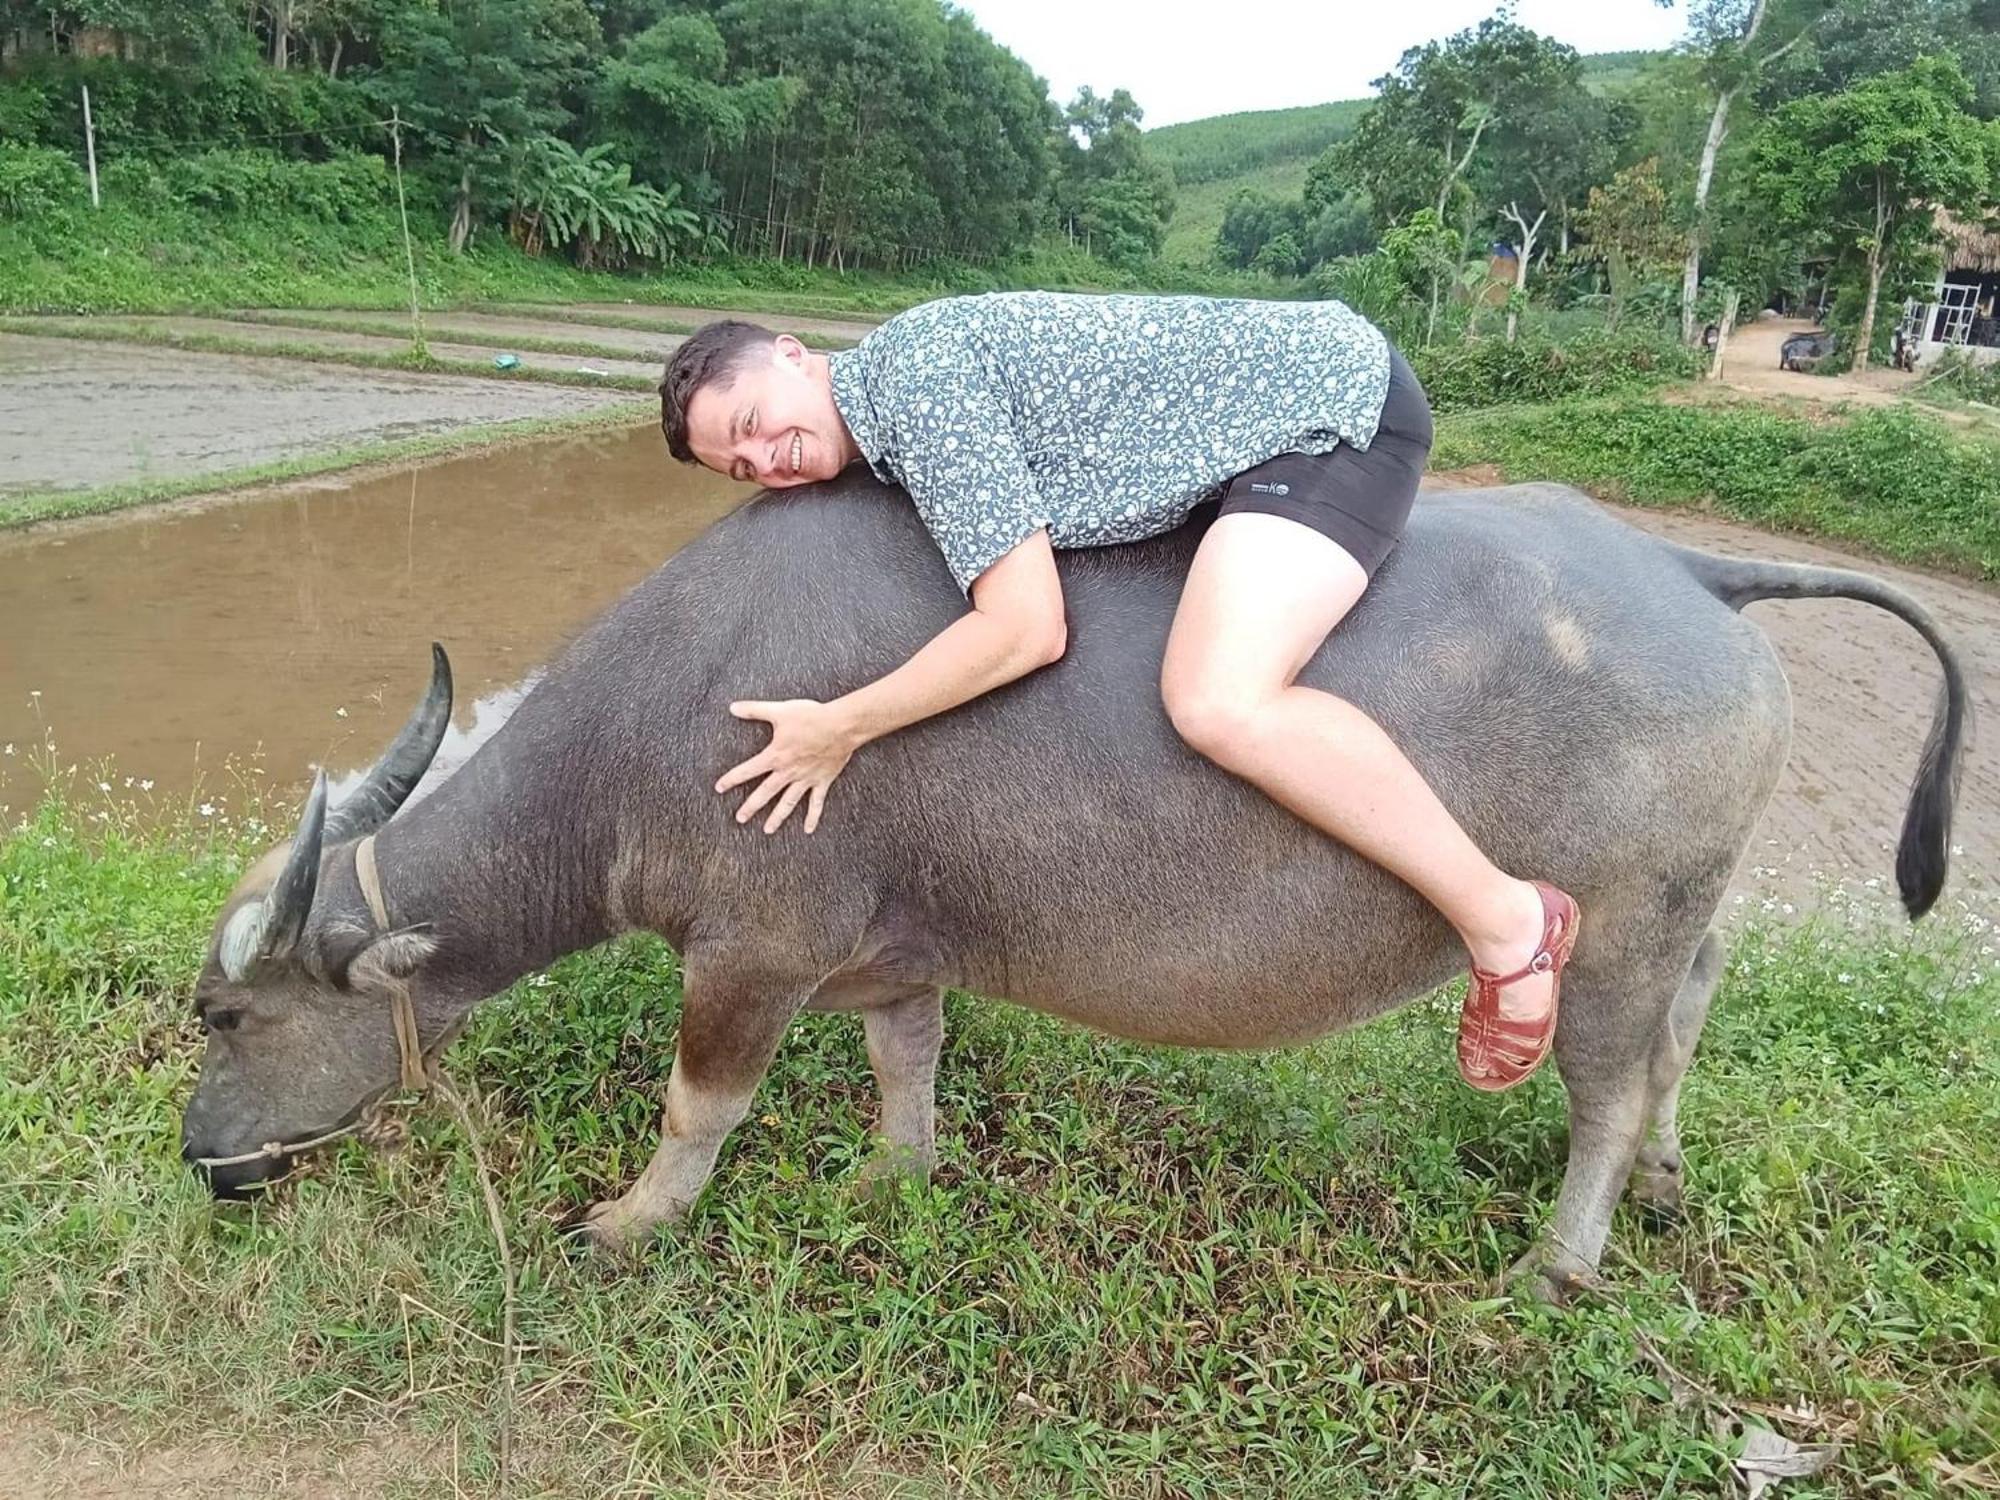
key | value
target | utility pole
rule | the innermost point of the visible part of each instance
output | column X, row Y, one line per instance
column 90, row 147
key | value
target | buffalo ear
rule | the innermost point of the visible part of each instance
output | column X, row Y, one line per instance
column 391, row 959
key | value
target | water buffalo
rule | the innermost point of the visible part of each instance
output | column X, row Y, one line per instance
column 1802, row 352
column 1586, row 699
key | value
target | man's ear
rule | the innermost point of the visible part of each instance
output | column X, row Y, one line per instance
column 791, row 351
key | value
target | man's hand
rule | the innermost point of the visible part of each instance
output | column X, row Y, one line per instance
column 810, row 746
column 1015, row 625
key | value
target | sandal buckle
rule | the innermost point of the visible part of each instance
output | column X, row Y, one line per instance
column 1542, row 962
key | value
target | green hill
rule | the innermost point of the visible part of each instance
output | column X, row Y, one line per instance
column 1270, row 149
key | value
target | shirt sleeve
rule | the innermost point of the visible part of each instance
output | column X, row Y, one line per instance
column 965, row 469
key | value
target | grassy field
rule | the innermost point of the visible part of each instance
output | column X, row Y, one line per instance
column 1893, row 481
column 1141, row 1272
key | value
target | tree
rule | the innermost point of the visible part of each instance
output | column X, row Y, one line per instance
column 475, row 75
column 1867, row 166
column 1552, row 147
column 1419, row 141
column 1425, row 255
column 1628, row 225
column 1251, row 221
column 1735, row 39
column 1109, row 193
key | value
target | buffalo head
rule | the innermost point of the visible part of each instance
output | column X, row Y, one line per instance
column 300, row 987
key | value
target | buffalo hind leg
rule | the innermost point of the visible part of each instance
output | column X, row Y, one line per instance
column 905, row 1033
column 732, row 1020
column 1606, row 1041
column 1656, row 1173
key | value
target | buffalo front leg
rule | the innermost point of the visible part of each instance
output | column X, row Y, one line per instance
column 732, row 1020
column 905, row 1033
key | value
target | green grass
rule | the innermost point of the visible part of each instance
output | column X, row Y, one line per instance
column 1892, row 481
column 30, row 506
column 1141, row 1272
column 111, row 331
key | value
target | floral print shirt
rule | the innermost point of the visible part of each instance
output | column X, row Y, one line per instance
column 1104, row 419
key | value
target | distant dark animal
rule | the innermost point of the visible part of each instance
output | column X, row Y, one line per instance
column 1803, row 351
column 1587, row 699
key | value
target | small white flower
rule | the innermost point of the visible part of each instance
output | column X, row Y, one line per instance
column 34, row 692
column 145, row 786
column 48, row 843
column 1873, row 885
column 1847, row 979
column 1787, row 908
column 128, row 781
column 207, row 809
column 10, row 748
column 104, row 786
column 340, row 713
column 1957, row 849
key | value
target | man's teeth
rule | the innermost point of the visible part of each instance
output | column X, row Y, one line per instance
column 796, row 452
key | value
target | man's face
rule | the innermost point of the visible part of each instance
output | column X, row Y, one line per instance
column 774, row 424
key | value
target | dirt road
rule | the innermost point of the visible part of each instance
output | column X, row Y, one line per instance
column 1751, row 365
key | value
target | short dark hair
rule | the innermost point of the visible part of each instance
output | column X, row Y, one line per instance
column 711, row 356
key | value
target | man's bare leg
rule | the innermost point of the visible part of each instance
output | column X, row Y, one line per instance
column 1262, row 595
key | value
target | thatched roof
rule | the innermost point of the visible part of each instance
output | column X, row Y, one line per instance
column 1968, row 247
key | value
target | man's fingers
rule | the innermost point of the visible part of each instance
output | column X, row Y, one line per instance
column 785, row 805
column 768, row 788
column 750, row 708
column 813, row 806
column 749, row 770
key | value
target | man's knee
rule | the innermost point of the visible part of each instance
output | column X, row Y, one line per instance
column 1215, row 719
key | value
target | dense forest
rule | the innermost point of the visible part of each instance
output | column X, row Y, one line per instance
column 1783, row 143
column 867, row 132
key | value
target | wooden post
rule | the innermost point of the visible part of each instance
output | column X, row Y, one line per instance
column 90, row 147
column 417, row 345
column 1722, row 335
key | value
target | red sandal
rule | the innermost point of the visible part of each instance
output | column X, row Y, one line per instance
column 1494, row 1051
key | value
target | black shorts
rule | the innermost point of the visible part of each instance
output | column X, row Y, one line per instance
column 1361, row 499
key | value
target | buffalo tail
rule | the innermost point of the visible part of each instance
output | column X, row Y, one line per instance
column 1924, row 851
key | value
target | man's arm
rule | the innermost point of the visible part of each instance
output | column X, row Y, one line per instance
column 1016, row 624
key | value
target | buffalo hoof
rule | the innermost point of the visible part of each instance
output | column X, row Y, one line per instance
column 1656, row 1193
column 611, row 1228
column 882, row 1176
column 1548, row 1273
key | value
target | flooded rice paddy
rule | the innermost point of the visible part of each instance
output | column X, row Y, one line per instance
column 296, row 627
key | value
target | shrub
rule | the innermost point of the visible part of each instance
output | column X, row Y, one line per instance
column 1492, row 372
column 36, row 180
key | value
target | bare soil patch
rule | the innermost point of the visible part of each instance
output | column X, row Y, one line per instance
column 75, row 414
column 474, row 348
column 39, row 1461
column 1751, row 365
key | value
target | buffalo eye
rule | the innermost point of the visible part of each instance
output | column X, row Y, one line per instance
column 215, row 1018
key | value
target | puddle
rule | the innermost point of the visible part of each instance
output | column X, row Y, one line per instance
column 299, row 626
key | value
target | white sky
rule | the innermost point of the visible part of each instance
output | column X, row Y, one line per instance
column 1183, row 62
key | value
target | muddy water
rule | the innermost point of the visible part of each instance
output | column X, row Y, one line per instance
column 299, row 625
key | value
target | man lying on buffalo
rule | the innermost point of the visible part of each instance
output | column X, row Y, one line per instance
column 1026, row 421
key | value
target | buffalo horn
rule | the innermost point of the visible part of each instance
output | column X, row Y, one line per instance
column 390, row 780
column 291, row 895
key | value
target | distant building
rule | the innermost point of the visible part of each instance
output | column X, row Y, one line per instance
column 1962, row 311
